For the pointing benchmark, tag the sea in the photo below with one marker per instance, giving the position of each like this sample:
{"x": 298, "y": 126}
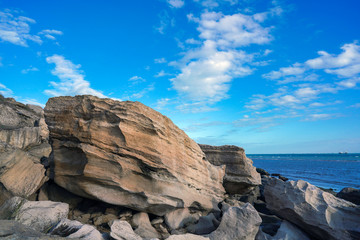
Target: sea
{"x": 335, "y": 171}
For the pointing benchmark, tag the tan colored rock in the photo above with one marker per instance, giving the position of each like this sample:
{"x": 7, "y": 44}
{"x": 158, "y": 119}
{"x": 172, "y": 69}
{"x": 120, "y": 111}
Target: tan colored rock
{"x": 74, "y": 229}
{"x": 125, "y": 153}
{"x": 318, "y": 213}
{"x": 187, "y": 236}
{"x": 143, "y": 227}
{"x": 19, "y": 175}
{"x": 121, "y": 230}
{"x": 180, "y": 217}
{"x": 240, "y": 174}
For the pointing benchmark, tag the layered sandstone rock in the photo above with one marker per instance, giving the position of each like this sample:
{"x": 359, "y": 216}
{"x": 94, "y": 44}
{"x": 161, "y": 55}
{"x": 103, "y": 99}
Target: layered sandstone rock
{"x": 241, "y": 176}
{"x": 318, "y": 213}
{"x": 125, "y": 153}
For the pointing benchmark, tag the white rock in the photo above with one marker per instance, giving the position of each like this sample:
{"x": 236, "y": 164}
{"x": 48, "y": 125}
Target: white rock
{"x": 238, "y": 223}
{"x": 187, "y": 236}
{"x": 121, "y": 230}
{"x": 319, "y": 213}
{"x": 40, "y": 216}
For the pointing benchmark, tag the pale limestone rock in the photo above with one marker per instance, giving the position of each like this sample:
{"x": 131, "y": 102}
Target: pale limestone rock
{"x": 238, "y": 223}
{"x": 180, "y": 217}
{"x": 240, "y": 174}
{"x": 143, "y": 227}
{"x": 121, "y": 230}
{"x": 319, "y": 213}
{"x": 74, "y": 229}
{"x": 40, "y": 216}
{"x": 187, "y": 236}
{"x": 125, "y": 153}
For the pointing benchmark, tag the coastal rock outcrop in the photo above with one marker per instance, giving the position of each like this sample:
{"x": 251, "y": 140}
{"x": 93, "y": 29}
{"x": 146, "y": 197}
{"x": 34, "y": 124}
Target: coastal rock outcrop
{"x": 23, "y": 147}
{"x": 240, "y": 174}
{"x": 318, "y": 213}
{"x": 350, "y": 194}
{"x": 125, "y": 153}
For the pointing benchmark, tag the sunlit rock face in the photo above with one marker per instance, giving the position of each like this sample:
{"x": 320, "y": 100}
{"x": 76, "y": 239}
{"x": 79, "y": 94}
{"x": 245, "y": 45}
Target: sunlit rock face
{"x": 128, "y": 154}
{"x": 241, "y": 176}
{"x": 23, "y": 146}
{"x": 318, "y": 213}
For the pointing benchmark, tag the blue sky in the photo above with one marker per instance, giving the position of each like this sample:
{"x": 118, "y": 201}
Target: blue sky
{"x": 270, "y": 76}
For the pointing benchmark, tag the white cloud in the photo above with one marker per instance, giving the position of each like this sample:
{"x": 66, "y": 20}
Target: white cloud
{"x": 50, "y": 33}
{"x": 206, "y": 71}
{"x": 161, "y": 103}
{"x": 136, "y": 79}
{"x": 192, "y": 41}
{"x": 143, "y": 92}
{"x": 1, "y": 64}
{"x": 6, "y": 92}
{"x": 319, "y": 116}
{"x": 32, "y": 102}
{"x": 294, "y": 70}
{"x": 160, "y": 60}
{"x": 16, "y": 30}
{"x": 162, "y": 73}
{"x": 72, "y": 80}
{"x": 30, "y": 69}
{"x": 165, "y": 21}
{"x": 215, "y": 3}
{"x": 349, "y": 83}
{"x": 176, "y": 3}
{"x": 356, "y": 105}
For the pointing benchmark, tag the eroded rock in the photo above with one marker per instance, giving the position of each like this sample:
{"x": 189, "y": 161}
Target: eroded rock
{"x": 318, "y": 213}
{"x": 121, "y": 230}
{"x": 240, "y": 174}
{"x": 350, "y": 194}
{"x": 125, "y": 153}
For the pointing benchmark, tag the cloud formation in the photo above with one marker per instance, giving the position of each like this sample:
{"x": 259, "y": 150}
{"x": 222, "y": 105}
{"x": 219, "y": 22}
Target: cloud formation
{"x": 6, "y": 92}
{"x": 176, "y": 3}
{"x": 72, "y": 80}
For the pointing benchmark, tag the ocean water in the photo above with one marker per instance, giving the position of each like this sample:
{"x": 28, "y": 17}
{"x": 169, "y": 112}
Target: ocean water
{"x": 334, "y": 171}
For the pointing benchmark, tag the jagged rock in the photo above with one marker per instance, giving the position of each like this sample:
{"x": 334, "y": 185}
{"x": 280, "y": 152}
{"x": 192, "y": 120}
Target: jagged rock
{"x": 318, "y": 213}
{"x": 238, "y": 223}
{"x": 75, "y": 229}
{"x": 350, "y": 194}
{"x": 240, "y": 174}
{"x": 187, "y": 236}
{"x": 125, "y": 153}
{"x": 206, "y": 225}
{"x": 12, "y": 230}
{"x": 287, "y": 231}
{"x": 40, "y": 216}
{"x": 270, "y": 223}
{"x": 121, "y": 230}
{"x": 262, "y": 172}
{"x": 180, "y": 218}
{"x": 23, "y": 143}
{"x": 19, "y": 174}
{"x": 143, "y": 227}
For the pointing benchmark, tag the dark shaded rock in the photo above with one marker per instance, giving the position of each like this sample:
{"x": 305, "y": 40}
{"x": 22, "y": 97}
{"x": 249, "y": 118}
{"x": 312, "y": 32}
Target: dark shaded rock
{"x": 350, "y": 194}
{"x": 206, "y": 225}
{"x": 262, "y": 172}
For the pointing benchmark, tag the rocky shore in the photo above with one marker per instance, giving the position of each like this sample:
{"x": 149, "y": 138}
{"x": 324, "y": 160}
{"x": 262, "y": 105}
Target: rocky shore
{"x": 90, "y": 168}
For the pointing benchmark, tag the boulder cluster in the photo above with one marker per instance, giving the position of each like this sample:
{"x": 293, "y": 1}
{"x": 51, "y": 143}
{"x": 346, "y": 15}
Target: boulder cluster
{"x": 98, "y": 169}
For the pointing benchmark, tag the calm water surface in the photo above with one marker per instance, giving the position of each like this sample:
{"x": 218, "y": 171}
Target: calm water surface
{"x": 324, "y": 170}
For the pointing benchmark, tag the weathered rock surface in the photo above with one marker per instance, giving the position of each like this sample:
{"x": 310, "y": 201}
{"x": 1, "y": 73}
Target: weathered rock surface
{"x": 287, "y": 231}
{"x": 20, "y": 174}
{"x": 350, "y": 194}
{"x": 74, "y": 229}
{"x": 125, "y": 153}
{"x": 121, "y": 230}
{"x": 238, "y": 223}
{"x": 143, "y": 227}
{"x": 40, "y": 216}
{"x": 240, "y": 174}
{"x": 180, "y": 218}
{"x": 318, "y": 213}
{"x": 12, "y": 230}
{"x": 23, "y": 145}
{"x": 187, "y": 236}
{"x": 206, "y": 225}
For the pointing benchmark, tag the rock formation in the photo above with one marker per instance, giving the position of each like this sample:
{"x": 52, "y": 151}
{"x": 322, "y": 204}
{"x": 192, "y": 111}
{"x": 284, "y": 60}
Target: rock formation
{"x": 240, "y": 174}
{"x": 127, "y": 154}
{"x": 350, "y": 194}
{"x": 23, "y": 147}
{"x": 318, "y": 213}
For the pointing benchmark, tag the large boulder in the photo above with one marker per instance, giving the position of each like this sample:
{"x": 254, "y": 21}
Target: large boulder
{"x": 23, "y": 146}
{"x": 316, "y": 212}
{"x": 40, "y": 216}
{"x": 240, "y": 174}
{"x": 20, "y": 173}
{"x": 238, "y": 223}
{"x": 128, "y": 154}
